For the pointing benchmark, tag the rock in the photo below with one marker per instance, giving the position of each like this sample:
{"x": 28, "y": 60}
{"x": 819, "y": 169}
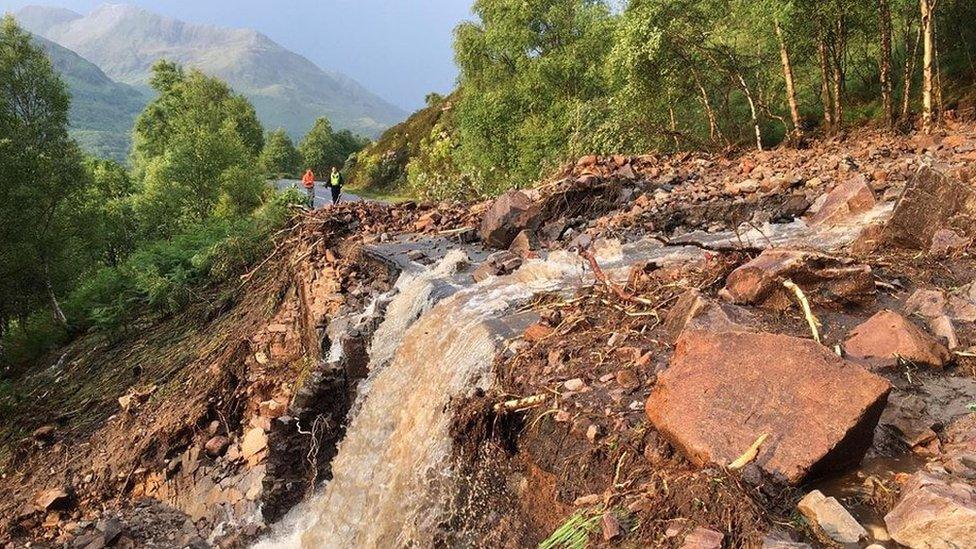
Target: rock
{"x": 703, "y": 538}
{"x": 55, "y": 499}
{"x": 888, "y": 336}
{"x": 111, "y": 529}
{"x": 44, "y": 433}
{"x": 723, "y": 391}
{"x": 932, "y": 200}
{"x": 868, "y": 241}
{"x": 627, "y": 379}
{"x": 826, "y": 280}
{"x": 524, "y": 244}
{"x": 831, "y": 518}
{"x": 906, "y": 416}
{"x": 592, "y": 433}
{"x": 944, "y": 330}
{"x": 742, "y": 187}
{"x": 255, "y": 441}
{"x": 693, "y": 311}
{"x": 574, "y": 385}
{"x": 484, "y": 271}
{"x": 934, "y": 512}
{"x": 537, "y": 332}
{"x": 507, "y": 216}
{"x": 216, "y": 446}
{"x": 611, "y": 527}
{"x": 847, "y": 200}
{"x": 416, "y": 255}
{"x": 926, "y": 303}
{"x": 946, "y": 242}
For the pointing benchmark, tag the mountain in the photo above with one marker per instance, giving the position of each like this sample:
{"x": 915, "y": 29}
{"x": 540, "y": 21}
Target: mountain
{"x": 102, "y": 110}
{"x": 288, "y": 90}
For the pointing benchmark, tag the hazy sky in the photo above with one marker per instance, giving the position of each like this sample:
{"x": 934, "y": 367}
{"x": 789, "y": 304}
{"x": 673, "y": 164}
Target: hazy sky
{"x": 400, "y": 49}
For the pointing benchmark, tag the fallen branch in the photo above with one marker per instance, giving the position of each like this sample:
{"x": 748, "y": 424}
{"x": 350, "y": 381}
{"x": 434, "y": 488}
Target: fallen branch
{"x": 623, "y": 294}
{"x": 805, "y": 304}
{"x": 750, "y": 454}
{"x": 520, "y": 404}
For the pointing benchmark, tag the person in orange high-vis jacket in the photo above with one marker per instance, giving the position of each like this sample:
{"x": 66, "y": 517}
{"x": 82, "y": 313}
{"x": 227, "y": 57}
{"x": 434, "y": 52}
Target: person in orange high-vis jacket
{"x": 308, "y": 181}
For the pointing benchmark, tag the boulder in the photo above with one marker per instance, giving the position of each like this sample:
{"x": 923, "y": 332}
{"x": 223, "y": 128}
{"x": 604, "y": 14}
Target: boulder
{"x": 508, "y": 215}
{"x": 830, "y": 517}
{"x": 826, "y": 280}
{"x": 934, "y": 512}
{"x": 887, "y": 336}
{"x": 946, "y": 242}
{"x": 722, "y": 391}
{"x": 932, "y": 200}
{"x": 694, "y": 311}
{"x": 847, "y": 200}
{"x": 926, "y": 303}
{"x": 55, "y": 499}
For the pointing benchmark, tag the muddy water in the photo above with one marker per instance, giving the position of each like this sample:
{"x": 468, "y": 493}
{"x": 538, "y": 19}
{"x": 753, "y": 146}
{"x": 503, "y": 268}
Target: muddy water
{"x": 392, "y": 478}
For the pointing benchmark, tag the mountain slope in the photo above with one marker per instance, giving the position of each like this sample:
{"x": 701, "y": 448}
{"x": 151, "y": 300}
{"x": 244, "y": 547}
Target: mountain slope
{"x": 102, "y": 110}
{"x": 287, "y": 89}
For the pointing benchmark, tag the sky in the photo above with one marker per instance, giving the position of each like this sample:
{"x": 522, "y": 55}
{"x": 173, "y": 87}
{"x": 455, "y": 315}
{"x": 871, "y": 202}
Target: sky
{"x": 399, "y": 49}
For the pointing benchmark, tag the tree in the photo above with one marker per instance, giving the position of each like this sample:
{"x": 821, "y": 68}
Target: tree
{"x": 40, "y": 175}
{"x": 196, "y": 147}
{"x": 884, "y": 66}
{"x": 928, "y": 70}
{"x": 280, "y": 158}
{"x": 322, "y": 148}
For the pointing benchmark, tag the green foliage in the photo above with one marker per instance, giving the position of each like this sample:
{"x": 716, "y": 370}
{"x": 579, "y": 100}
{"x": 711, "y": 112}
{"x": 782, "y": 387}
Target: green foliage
{"x": 322, "y": 148}
{"x": 196, "y": 149}
{"x": 280, "y": 158}
{"x": 41, "y": 175}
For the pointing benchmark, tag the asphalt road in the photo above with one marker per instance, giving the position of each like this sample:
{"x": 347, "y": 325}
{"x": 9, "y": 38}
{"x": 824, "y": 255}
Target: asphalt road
{"x": 322, "y": 195}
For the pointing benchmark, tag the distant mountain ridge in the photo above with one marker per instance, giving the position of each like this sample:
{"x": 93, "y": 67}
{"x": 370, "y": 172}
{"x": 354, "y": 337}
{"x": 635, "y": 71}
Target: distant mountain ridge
{"x": 288, "y": 90}
{"x": 102, "y": 110}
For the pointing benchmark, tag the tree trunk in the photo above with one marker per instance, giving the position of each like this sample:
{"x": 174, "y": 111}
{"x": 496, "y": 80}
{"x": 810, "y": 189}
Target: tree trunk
{"x": 713, "y": 129}
{"x": 840, "y": 49}
{"x": 784, "y": 55}
{"x": 674, "y": 125}
{"x": 928, "y": 58}
{"x": 910, "y": 61}
{"x": 884, "y": 13}
{"x": 59, "y": 315}
{"x": 752, "y": 108}
{"x": 824, "y": 78}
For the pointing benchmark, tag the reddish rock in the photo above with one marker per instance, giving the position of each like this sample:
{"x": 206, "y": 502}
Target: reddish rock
{"x": 508, "y": 215}
{"x": 933, "y": 200}
{"x": 886, "y": 336}
{"x": 946, "y": 242}
{"x": 255, "y": 442}
{"x": 693, "y": 311}
{"x": 831, "y": 518}
{"x": 703, "y": 538}
{"x": 524, "y": 244}
{"x": 723, "y": 391}
{"x": 934, "y": 512}
{"x": 926, "y": 303}
{"x": 216, "y": 446}
{"x": 826, "y": 280}
{"x": 537, "y": 332}
{"x": 611, "y": 527}
{"x": 55, "y": 499}
{"x": 868, "y": 241}
{"x": 847, "y": 200}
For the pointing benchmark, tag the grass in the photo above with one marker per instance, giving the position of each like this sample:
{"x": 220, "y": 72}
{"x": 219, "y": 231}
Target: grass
{"x": 575, "y": 532}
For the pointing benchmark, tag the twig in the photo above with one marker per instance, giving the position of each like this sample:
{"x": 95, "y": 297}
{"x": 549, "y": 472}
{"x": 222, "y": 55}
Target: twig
{"x": 602, "y": 278}
{"x": 811, "y": 320}
{"x": 750, "y": 454}
{"x": 520, "y": 404}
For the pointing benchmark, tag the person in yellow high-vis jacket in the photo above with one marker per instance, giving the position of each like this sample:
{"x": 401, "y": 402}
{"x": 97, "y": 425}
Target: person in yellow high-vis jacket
{"x": 335, "y": 185}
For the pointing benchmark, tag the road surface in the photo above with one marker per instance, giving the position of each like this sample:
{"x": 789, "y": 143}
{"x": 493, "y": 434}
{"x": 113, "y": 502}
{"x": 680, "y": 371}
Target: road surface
{"x": 322, "y": 195}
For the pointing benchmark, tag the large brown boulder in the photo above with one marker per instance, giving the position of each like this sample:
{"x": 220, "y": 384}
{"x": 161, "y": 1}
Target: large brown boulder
{"x": 888, "y": 336}
{"x": 932, "y": 201}
{"x": 934, "y": 511}
{"x": 722, "y": 391}
{"x": 826, "y": 280}
{"x": 848, "y": 199}
{"x": 510, "y": 214}
{"x": 694, "y": 311}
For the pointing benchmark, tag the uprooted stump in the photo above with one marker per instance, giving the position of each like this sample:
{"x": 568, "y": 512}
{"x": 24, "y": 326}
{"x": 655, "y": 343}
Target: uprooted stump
{"x": 722, "y": 391}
